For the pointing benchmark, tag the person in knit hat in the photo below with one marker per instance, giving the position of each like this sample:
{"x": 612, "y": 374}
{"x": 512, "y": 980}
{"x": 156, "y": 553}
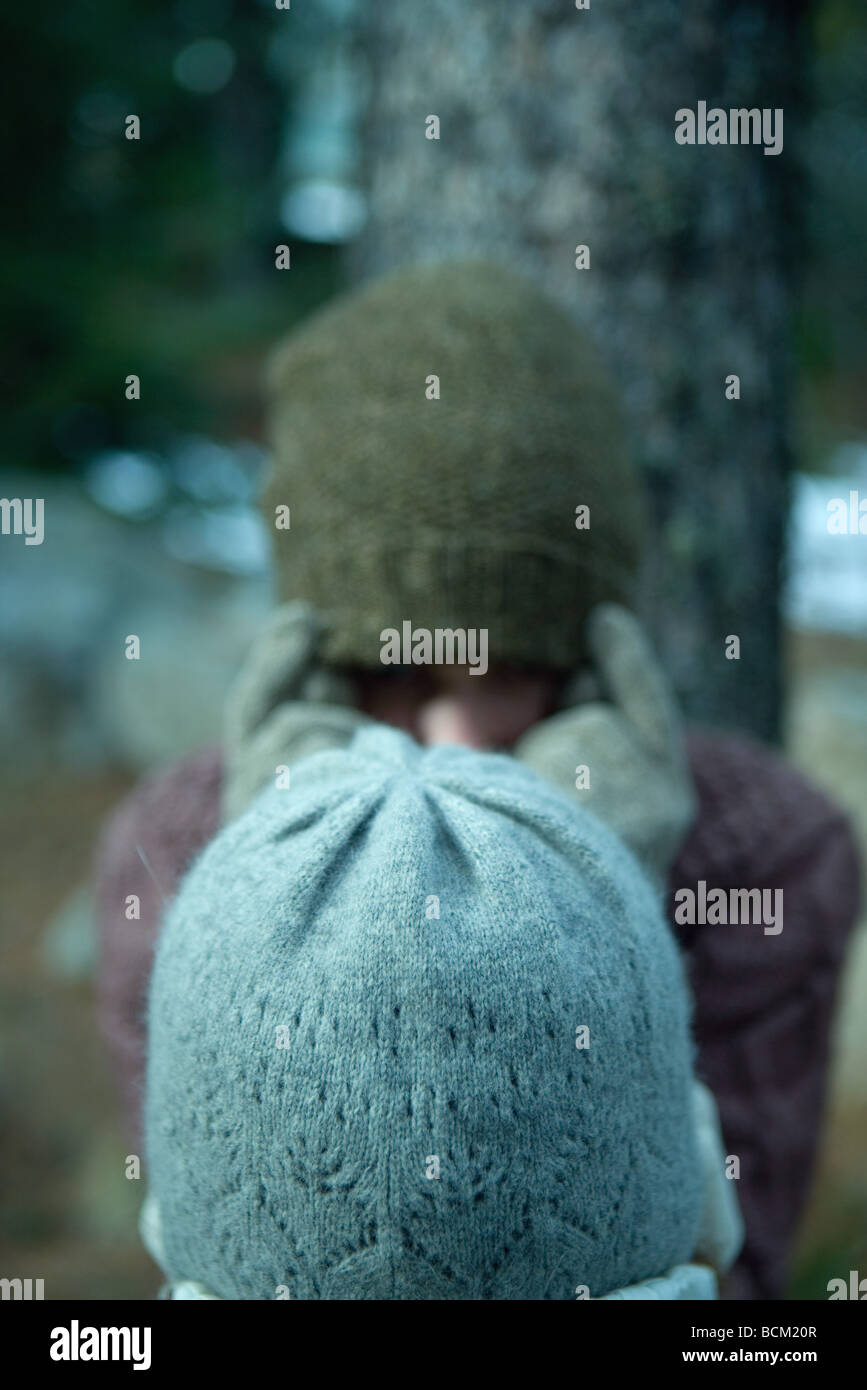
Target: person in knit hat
{"x": 418, "y": 1030}
{"x": 450, "y": 453}
{"x": 435, "y": 437}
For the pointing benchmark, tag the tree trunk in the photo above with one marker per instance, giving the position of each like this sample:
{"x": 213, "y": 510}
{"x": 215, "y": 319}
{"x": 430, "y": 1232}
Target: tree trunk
{"x": 557, "y": 129}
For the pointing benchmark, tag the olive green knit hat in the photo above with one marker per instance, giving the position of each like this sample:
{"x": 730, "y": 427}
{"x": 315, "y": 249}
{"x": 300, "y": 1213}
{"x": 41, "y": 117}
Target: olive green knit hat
{"x": 449, "y": 503}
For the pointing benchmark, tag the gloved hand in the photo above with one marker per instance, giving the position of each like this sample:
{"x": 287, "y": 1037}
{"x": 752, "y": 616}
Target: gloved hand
{"x": 722, "y": 1229}
{"x": 630, "y": 741}
{"x": 282, "y": 707}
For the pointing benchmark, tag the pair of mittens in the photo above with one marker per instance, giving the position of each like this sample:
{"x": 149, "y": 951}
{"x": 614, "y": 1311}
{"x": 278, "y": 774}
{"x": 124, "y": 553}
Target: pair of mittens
{"x": 618, "y": 749}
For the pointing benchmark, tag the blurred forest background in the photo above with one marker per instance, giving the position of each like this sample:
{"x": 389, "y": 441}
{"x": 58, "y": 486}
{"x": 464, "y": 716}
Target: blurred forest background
{"x": 156, "y": 257}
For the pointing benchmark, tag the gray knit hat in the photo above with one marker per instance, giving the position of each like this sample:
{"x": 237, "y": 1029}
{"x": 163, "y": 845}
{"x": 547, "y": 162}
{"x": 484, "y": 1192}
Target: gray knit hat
{"x": 418, "y": 1030}
{"x": 456, "y": 512}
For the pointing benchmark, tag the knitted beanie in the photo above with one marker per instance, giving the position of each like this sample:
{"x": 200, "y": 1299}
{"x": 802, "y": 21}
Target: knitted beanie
{"x": 418, "y": 1030}
{"x": 452, "y": 505}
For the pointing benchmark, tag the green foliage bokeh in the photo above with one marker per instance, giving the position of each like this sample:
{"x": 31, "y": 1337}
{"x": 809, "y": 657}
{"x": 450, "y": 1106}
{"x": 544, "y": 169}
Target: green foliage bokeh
{"x": 153, "y": 257}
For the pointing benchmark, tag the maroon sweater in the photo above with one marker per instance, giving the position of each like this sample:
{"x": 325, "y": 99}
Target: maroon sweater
{"x": 763, "y": 1003}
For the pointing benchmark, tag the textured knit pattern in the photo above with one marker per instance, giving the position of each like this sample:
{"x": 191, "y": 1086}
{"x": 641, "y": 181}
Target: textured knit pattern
{"x": 457, "y": 512}
{"x": 762, "y": 1017}
{"x": 764, "y": 1004}
{"x": 409, "y": 1036}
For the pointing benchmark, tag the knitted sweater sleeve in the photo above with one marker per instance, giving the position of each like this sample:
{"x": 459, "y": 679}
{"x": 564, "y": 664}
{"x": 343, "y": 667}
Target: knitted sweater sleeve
{"x": 146, "y": 846}
{"x": 763, "y": 1002}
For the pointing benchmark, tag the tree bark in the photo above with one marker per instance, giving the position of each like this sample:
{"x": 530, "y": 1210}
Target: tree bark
{"x": 557, "y": 129}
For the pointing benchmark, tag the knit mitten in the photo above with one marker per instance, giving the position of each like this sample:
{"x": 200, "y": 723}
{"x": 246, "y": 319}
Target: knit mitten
{"x": 722, "y": 1228}
{"x": 622, "y": 757}
{"x": 283, "y": 706}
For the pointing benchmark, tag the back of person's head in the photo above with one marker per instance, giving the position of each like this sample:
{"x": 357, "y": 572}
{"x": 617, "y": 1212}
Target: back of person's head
{"x": 418, "y": 1030}
{"x": 434, "y": 434}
